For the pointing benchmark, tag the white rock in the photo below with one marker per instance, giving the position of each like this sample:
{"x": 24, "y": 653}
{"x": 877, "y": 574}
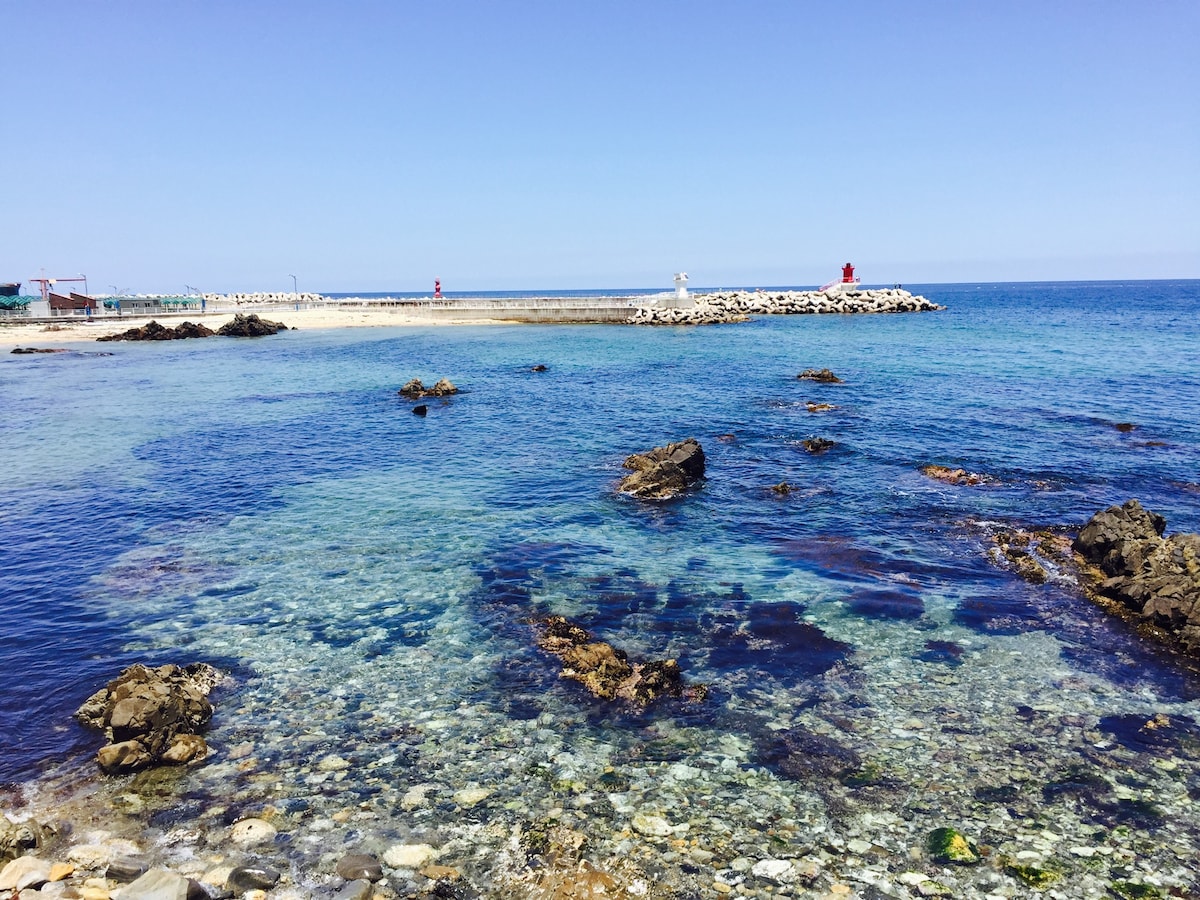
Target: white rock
{"x": 409, "y": 856}
{"x": 652, "y": 826}
{"x": 157, "y": 884}
{"x": 780, "y": 870}
{"x": 89, "y": 856}
{"x": 23, "y": 872}
{"x": 252, "y": 831}
{"x": 470, "y": 796}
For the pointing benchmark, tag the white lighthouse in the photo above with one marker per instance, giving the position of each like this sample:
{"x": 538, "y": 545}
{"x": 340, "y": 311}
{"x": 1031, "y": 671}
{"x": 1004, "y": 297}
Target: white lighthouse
{"x": 681, "y": 285}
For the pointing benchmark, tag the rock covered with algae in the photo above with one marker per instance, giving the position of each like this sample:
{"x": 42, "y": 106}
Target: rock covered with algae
{"x": 946, "y": 845}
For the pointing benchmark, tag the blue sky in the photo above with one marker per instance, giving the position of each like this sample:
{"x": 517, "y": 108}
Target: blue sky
{"x": 378, "y": 145}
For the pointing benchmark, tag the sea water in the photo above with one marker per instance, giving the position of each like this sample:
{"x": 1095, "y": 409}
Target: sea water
{"x": 371, "y": 582}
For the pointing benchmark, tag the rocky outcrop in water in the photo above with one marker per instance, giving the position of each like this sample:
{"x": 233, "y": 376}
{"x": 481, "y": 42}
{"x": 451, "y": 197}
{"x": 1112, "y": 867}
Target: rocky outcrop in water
{"x": 250, "y": 326}
{"x": 415, "y": 390}
{"x": 607, "y": 672}
{"x": 153, "y": 331}
{"x": 152, "y": 715}
{"x": 664, "y": 472}
{"x": 954, "y": 476}
{"x": 38, "y": 350}
{"x": 1154, "y": 576}
{"x": 737, "y": 306}
{"x": 825, "y": 376}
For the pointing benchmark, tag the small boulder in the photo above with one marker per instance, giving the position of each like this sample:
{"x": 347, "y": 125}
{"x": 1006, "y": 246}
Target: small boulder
{"x": 664, "y": 472}
{"x": 824, "y": 376}
{"x": 359, "y": 866}
{"x": 152, "y": 715}
{"x": 420, "y": 410}
{"x": 157, "y": 884}
{"x": 250, "y": 326}
{"x": 947, "y": 846}
{"x": 817, "y": 446}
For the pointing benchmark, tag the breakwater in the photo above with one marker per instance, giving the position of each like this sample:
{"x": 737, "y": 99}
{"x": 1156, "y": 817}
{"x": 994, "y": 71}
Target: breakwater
{"x": 735, "y": 306}
{"x": 261, "y": 298}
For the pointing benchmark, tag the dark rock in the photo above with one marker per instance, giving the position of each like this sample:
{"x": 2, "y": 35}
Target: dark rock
{"x": 356, "y": 866}
{"x": 783, "y": 488}
{"x": 817, "y": 445}
{"x": 420, "y": 410}
{"x": 153, "y": 331}
{"x": 250, "y": 326}
{"x": 198, "y": 891}
{"x": 823, "y": 375}
{"x": 771, "y": 638}
{"x": 126, "y": 868}
{"x": 664, "y": 472}
{"x": 38, "y": 350}
{"x": 415, "y": 390}
{"x": 152, "y": 715}
{"x": 802, "y": 754}
{"x": 1128, "y": 560}
{"x": 538, "y": 368}
{"x": 253, "y": 877}
{"x": 1124, "y": 427}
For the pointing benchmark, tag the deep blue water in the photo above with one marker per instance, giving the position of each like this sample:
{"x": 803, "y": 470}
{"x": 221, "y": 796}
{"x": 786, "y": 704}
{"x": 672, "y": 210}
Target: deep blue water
{"x": 245, "y": 501}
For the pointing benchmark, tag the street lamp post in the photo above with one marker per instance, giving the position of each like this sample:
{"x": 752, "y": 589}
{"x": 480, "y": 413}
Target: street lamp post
{"x": 294, "y": 291}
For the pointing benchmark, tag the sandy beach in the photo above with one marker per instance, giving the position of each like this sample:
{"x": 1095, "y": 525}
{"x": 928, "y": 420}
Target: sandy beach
{"x": 74, "y": 330}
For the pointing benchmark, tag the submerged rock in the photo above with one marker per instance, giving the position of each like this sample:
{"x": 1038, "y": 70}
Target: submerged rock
{"x": 1128, "y": 560}
{"x": 250, "y": 326}
{"x": 606, "y": 670}
{"x": 954, "y": 476}
{"x": 817, "y": 446}
{"x": 801, "y": 754}
{"x": 945, "y": 845}
{"x": 152, "y": 715}
{"x": 664, "y": 472}
{"x": 39, "y": 349}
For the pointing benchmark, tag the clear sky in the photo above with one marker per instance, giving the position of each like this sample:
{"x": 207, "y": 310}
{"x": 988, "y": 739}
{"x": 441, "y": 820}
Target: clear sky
{"x": 378, "y": 145}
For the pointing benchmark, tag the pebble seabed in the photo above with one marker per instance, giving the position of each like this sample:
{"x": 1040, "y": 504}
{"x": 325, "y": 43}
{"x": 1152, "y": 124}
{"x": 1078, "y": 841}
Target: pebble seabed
{"x": 462, "y": 799}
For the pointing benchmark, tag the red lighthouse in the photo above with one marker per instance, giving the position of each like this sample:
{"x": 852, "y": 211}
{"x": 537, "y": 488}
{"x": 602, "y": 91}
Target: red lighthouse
{"x": 437, "y": 287}
{"x": 847, "y": 274}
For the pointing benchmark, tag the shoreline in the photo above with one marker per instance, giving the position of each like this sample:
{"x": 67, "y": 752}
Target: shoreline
{"x": 78, "y": 330}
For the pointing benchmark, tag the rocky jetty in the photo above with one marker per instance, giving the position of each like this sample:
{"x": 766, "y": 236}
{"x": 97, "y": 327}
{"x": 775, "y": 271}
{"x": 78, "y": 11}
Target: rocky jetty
{"x": 664, "y": 472}
{"x": 153, "y": 331}
{"x": 1129, "y": 561}
{"x": 152, "y": 715}
{"x": 250, "y": 326}
{"x": 607, "y": 672}
{"x": 415, "y": 390}
{"x": 38, "y": 350}
{"x": 736, "y": 306}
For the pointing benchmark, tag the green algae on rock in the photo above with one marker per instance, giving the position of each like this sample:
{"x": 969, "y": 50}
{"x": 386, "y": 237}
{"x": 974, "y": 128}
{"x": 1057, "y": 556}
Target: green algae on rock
{"x": 945, "y": 845}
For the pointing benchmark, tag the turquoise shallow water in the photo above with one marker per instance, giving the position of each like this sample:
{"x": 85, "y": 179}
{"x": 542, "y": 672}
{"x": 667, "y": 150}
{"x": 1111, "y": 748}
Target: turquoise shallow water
{"x": 368, "y": 578}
